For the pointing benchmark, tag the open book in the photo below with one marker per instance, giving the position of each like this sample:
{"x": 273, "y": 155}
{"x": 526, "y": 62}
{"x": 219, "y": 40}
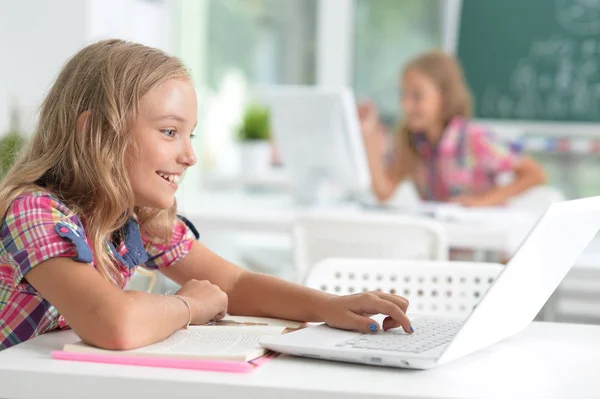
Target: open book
{"x": 234, "y": 338}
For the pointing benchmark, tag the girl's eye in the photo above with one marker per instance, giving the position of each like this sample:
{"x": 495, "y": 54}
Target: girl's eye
{"x": 169, "y": 132}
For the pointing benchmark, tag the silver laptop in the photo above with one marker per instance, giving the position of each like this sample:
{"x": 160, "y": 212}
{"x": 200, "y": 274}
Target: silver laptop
{"x": 510, "y": 304}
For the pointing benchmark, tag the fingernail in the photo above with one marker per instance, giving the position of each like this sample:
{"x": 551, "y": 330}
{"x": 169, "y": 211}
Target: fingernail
{"x": 373, "y": 327}
{"x": 412, "y": 329}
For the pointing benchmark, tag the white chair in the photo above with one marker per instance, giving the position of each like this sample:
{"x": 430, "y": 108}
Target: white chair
{"x": 317, "y": 236}
{"x": 432, "y": 287}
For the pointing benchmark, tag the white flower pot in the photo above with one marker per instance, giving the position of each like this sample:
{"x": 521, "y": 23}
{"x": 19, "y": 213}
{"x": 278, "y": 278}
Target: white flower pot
{"x": 255, "y": 160}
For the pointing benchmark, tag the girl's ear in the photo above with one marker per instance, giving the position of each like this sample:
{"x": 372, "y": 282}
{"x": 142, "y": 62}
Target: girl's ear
{"x": 82, "y": 121}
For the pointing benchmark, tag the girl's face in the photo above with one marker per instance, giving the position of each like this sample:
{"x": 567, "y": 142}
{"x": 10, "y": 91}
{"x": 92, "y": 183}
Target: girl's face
{"x": 163, "y": 132}
{"x": 421, "y": 102}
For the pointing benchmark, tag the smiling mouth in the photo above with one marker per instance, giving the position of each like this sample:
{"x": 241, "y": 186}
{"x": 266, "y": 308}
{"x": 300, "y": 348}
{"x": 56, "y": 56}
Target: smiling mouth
{"x": 173, "y": 179}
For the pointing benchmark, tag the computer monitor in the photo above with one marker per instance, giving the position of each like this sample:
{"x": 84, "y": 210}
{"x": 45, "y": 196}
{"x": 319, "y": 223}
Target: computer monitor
{"x": 318, "y": 135}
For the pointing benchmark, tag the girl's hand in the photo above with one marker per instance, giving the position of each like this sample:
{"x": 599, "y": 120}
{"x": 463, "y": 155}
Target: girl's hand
{"x": 372, "y": 130}
{"x": 473, "y": 200}
{"x": 208, "y": 301}
{"x": 369, "y": 120}
{"x": 353, "y": 312}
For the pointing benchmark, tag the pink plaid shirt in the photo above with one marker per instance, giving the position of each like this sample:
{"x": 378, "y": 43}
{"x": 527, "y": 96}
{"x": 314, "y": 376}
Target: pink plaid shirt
{"x": 38, "y": 227}
{"x": 467, "y": 160}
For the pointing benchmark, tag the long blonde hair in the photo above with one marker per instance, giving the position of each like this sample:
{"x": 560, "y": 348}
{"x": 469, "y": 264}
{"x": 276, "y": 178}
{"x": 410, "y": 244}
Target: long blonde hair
{"x": 86, "y": 168}
{"x": 446, "y": 73}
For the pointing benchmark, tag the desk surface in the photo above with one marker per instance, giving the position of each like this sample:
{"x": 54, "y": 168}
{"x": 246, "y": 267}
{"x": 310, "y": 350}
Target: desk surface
{"x": 545, "y": 361}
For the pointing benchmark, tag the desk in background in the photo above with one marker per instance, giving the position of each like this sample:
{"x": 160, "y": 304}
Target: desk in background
{"x": 238, "y": 210}
{"x": 546, "y": 360}
{"x": 577, "y": 299}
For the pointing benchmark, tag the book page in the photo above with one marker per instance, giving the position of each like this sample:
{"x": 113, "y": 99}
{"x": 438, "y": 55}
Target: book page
{"x": 199, "y": 342}
{"x": 210, "y": 343}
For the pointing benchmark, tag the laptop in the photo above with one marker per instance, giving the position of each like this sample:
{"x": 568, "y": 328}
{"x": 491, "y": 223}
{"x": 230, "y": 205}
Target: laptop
{"x": 541, "y": 262}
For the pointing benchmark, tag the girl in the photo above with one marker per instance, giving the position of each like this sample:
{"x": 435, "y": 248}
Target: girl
{"x": 448, "y": 157}
{"x": 93, "y": 197}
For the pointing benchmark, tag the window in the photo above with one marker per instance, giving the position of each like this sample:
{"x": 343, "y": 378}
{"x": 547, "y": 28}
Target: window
{"x": 232, "y": 45}
{"x": 268, "y": 41}
{"x": 388, "y": 33}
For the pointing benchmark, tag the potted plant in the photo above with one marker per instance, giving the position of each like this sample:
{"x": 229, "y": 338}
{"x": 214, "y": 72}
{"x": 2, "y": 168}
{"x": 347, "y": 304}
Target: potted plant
{"x": 254, "y": 134}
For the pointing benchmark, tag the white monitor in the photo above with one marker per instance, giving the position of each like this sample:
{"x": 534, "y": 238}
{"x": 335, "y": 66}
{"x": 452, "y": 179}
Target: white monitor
{"x": 318, "y": 134}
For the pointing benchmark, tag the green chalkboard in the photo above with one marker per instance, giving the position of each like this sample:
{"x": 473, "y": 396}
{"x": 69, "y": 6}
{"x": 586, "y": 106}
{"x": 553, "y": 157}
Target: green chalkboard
{"x": 533, "y": 60}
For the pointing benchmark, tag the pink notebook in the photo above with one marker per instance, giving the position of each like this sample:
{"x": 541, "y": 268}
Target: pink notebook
{"x": 187, "y": 364}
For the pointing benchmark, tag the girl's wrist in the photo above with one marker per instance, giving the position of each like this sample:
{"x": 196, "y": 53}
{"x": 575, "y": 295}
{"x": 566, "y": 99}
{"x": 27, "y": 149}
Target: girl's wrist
{"x": 322, "y": 305}
{"x": 186, "y": 302}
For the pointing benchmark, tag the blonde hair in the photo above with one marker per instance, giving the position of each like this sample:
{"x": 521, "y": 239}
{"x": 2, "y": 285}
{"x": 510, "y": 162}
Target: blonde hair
{"x": 447, "y": 75}
{"x": 86, "y": 166}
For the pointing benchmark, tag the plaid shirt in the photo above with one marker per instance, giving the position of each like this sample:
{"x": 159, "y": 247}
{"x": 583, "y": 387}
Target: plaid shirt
{"x": 467, "y": 160}
{"x": 38, "y": 227}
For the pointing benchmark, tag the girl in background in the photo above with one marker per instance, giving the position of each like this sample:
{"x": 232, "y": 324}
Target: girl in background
{"x": 449, "y": 158}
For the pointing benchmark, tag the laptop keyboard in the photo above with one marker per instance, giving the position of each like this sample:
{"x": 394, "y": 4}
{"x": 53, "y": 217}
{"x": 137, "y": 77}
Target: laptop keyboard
{"x": 430, "y": 332}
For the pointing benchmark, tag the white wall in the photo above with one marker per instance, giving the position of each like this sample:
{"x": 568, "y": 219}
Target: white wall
{"x": 36, "y": 38}
{"x": 335, "y": 42}
{"x": 145, "y": 21}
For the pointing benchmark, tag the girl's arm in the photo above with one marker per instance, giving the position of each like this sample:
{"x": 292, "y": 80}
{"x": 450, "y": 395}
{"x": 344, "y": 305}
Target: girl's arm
{"x": 104, "y": 316}
{"x": 494, "y": 156}
{"x": 384, "y": 180}
{"x": 527, "y": 174}
{"x": 253, "y": 294}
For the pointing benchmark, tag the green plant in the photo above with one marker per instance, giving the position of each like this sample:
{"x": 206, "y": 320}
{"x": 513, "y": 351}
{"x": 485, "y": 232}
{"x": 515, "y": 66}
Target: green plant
{"x": 10, "y": 145}
{"x": 255, "y": 123}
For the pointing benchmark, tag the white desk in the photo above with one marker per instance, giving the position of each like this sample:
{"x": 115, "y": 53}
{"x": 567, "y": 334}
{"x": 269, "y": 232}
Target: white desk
{"x": 239, "y": 210}
{"x": 545, "y": 361}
